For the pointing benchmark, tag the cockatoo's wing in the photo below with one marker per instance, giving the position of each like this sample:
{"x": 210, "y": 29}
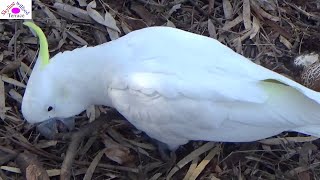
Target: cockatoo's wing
{"x": 210, "y": 94}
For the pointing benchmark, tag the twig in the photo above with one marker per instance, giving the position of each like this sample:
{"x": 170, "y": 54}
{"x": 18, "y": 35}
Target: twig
{"x": 76, "y": 138}
{"x": 28, "y": 164}
{"x": 31, "y": 167}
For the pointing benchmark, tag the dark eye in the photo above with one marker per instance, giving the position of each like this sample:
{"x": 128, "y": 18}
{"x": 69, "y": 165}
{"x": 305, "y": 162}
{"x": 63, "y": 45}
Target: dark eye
{"x": 50, "y": 108}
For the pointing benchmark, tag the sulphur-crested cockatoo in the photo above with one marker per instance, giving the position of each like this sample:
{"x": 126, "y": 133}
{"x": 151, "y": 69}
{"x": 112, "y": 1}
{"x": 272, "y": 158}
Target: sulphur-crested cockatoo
{"x": 174, "y": 85}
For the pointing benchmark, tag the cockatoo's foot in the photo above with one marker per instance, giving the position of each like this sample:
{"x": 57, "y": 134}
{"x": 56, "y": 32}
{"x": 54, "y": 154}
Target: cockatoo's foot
{"x": 49, "y": 128}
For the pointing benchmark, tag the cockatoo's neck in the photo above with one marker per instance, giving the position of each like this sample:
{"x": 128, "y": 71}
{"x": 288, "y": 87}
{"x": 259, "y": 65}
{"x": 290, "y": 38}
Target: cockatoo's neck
{"x": 88, "y": 69}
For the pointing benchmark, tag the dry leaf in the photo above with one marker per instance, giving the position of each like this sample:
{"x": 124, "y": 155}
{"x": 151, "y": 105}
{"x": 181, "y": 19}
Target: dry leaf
{"x": 51, "y": 16}
{"x": 227, "y": 9}
{"x": 228, "y": 25}
{"x": 246, "y": 14}
{"x": 77, "y": 39}
{"x": 286, "y": 140}
{"x": 204, "y": 163}
{"x": 284, "y": 41}
{"x": 212, "y": 29}
{"x": 156, "y": 176}
{"x": 107, "y": 21}
{"x": 261, "y": 12}
{"x": 93, "y": 165}
{"x": 91, "y": 113}
{"x": 112, "y": 28}
{"x": 80, "y": 13}
{"x": 12, "y": 81}
{"x": 95, "y": 15}
{"x": 192, "y": 167}
{"x": 46, "y": 144}
{"x": 15, "y": 95}
{"x": 82, "y": 3}
{"x": 173, "y": 9}
{"x": 10, "y": 67}
{"x": 2, "y": 101}
{"x": 125, "y": 27}
{"x": 119, "y": 154}
{"x": 255, "y": 27}
{"x": 268, "y": 5}
{"x": 193, "y": 155}
{"x": 115, "y": 151}
{"x": 170, "y": 24}
{"x": 99, "y": 36}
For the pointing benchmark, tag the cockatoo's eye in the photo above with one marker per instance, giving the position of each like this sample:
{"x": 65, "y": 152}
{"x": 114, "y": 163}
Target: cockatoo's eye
{"x": 50, "y": 108}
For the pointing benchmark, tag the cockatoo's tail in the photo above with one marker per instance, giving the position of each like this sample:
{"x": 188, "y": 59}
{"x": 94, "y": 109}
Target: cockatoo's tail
{"x": 44, "y": 50}
{"x": 175, "y": 86}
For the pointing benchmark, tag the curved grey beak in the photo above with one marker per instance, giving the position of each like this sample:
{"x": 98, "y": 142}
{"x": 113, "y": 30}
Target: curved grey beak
{"x": 53, "y": 126}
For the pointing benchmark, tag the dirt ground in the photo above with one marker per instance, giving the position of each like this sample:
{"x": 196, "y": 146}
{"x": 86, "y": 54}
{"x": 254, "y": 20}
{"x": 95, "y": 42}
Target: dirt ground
{"x": 271, "y": 33}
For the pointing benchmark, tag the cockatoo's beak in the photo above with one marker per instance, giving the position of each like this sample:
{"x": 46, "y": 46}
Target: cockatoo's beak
{"x": 53, "y": 126}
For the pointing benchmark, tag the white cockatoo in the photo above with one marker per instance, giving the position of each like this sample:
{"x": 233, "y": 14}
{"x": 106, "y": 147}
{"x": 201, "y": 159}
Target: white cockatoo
{"x": 174, "y": 85}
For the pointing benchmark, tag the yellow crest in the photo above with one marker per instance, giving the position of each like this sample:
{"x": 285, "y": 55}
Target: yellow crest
{"x": 44, "y": 50}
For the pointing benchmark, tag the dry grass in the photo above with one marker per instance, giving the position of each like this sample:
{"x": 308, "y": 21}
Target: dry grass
{"x": 271, "y": 33}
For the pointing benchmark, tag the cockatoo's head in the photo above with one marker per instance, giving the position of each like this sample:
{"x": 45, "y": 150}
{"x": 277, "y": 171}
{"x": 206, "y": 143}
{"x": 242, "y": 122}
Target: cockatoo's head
{"x": 50, "y": 92}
